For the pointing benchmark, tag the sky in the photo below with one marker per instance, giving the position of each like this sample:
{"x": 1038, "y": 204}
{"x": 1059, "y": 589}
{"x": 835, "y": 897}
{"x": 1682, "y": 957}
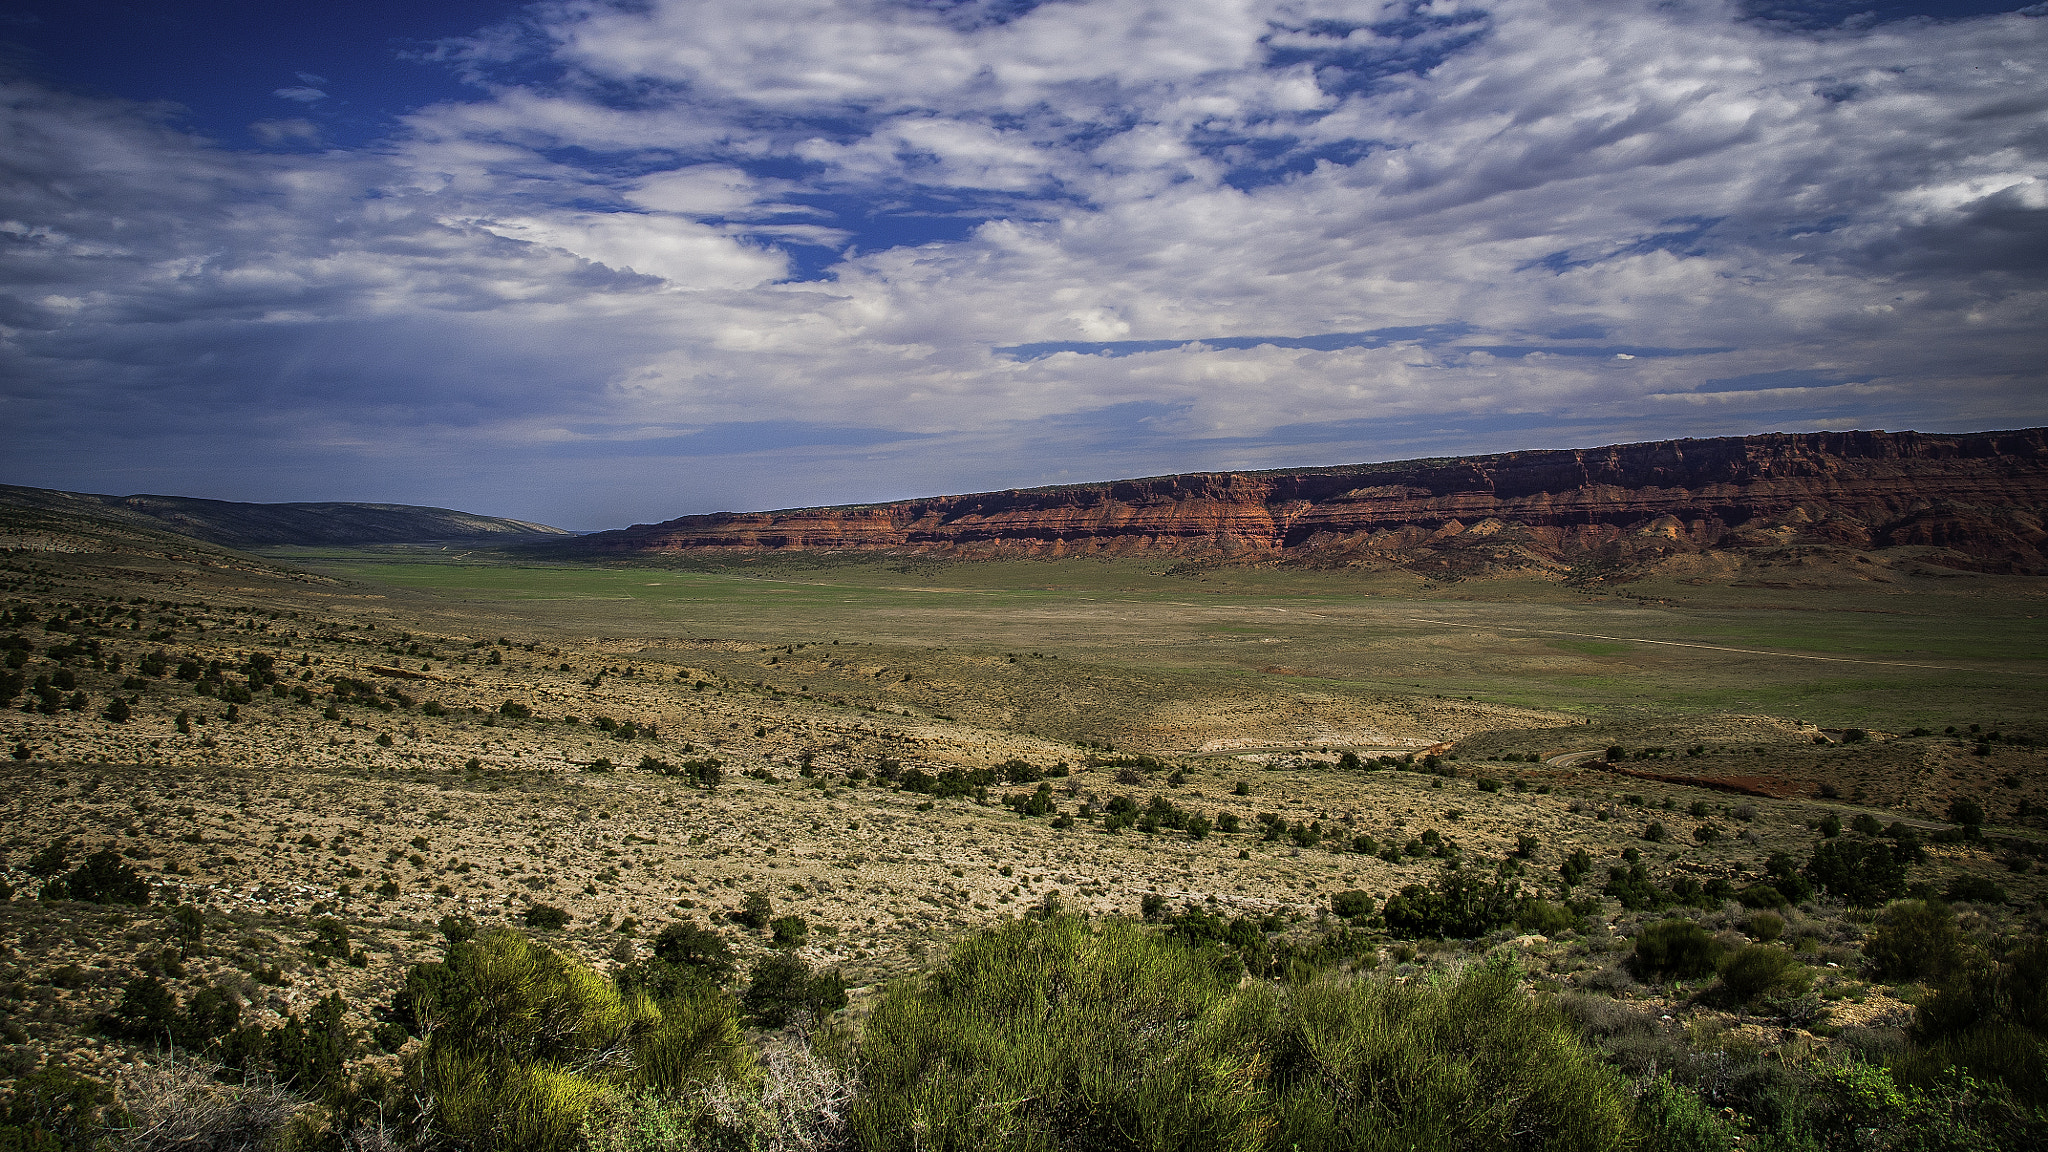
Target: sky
{"x": 596, "y": 262}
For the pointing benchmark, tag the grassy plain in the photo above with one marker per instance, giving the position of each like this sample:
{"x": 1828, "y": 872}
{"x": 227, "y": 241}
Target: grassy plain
{"x": 1882, "y": 656}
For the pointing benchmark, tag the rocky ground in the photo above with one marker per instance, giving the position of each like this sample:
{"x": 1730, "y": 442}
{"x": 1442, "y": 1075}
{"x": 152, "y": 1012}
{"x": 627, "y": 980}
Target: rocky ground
{"x": 274, "y": 749}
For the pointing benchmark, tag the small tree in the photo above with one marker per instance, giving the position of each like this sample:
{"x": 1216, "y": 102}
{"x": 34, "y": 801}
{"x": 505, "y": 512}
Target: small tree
{"x": 1863, "y": 873}
{"x": 783, "y": 990}
{"x": 789, "y": 931}
{"x": 755, "y": 911}
{"x": 103, "y": 879}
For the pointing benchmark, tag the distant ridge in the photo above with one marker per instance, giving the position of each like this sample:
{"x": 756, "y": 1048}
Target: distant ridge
{"x": 235, "y": 524}
{"x": 1973, "y": 501}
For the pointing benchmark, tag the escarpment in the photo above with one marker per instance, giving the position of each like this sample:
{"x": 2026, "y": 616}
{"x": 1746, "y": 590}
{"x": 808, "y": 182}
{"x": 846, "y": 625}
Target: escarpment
{"x": 1974, "y": 501}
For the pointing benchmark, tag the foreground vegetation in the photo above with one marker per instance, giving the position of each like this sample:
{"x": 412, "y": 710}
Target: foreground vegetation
{"x": 1060, "y": 1032}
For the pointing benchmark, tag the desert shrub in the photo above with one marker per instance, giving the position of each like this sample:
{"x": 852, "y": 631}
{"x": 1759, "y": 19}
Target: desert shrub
{"x": 783, "y": 990}
{"x": 800, "y": 1106}
{"x": 184, "y": 1104}
{"x": 693, "y": 950}
{"x": 524, "y": 1041}
{"x": 1967, "y": 814}
{"x": 1152, "y": 906}
{"x": 1674, "y": 948}
{"x": 1600, "y": 1016}
{"x": 1990, "y": 1018}
{"x": 546, "y": 918}
{"x": 1976, "y": 889}
{"x": 1862, "y": 873}
{"x": 755, "y": 911}
{"x": 1058, "y": 1034}
{"x": 1655, "y": 833}
{"x": 1766, "y": 926}
{"x": 981, "y": 1053}
{"x": 1757, "y": 971}
{"x": 1761, "y": 896}
{"x": 1634, "y": 888}
{"x": 1462, "y": 902}
{"x": 188, "y": 924}
{"x": 1575, "y": 867}
{"x": 310, "y": 1054}
{"x": 1466, "y": 1061}
{"x": 330, "y": 939}
{"x": 789, "y": 931}
{"x": 1544, "y": 917}
{"x": 1851, "y": 1103}
{"x": 103, "y": 878}
{"x": 1672, "y": 1119}
{"x": 1351, "y": 905}
{"x": 1915, "y": 940}
{"x": 58, "y": 1110}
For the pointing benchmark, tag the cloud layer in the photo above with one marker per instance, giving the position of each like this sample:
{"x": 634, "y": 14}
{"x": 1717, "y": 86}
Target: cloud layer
{"x": 681, "y": 255}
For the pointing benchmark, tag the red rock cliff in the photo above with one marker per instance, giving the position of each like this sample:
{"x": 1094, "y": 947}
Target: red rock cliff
{"x": 1981, "y": 496}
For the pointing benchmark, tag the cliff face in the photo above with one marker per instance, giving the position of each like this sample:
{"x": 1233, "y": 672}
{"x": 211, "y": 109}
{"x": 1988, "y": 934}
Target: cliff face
{"x": 1979, "y": 498}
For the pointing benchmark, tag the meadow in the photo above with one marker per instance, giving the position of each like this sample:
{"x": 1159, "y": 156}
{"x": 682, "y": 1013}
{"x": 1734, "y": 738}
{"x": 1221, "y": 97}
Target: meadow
{"x": 1834, "y": 656}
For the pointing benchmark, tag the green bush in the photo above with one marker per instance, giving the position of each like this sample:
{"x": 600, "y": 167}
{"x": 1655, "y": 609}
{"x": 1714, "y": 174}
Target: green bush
{"x": 789, "y": 931}
{"x": 1045, "y": 1033}
{"x": 104, "y": 878}
{"x": 1465, "y": 1061}
{"x": 1675, "y": 948}
{"x": 58, "y": 1110}
{"x": 1544, "y": 917}
{"x": 700, "y": 951}
{"x": 1351, "y": 905}
{"x": 755, "y": 911}
{"x": 1915, "y": 940}
{"x": 1759, "y": 971}
{"x": 1766, "y": 926}
{"x": 1463, "y": 902}
{"x": 1674, "y": 1120}
{"x": 1761, "y": 896}
{"x": 783, "y": 990}
{"x": 524, "y": 1041}
{"x": 1862, "y": 873}
{"x": 1975, "y": 889}
{"x": 546, "y": 918}
{"x": 1058, "y": 1034}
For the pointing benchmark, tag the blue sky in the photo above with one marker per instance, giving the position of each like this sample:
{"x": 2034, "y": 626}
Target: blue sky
{"x": 592, "y": 263}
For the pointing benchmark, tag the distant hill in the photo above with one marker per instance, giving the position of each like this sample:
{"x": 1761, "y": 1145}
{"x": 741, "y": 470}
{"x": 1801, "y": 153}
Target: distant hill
{"x": 240, "y": 525}
{"x": 1968, "y": 502}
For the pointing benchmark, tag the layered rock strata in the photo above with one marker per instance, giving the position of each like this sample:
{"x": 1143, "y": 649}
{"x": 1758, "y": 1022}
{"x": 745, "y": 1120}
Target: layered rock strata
{"x": 1981, "y": 499}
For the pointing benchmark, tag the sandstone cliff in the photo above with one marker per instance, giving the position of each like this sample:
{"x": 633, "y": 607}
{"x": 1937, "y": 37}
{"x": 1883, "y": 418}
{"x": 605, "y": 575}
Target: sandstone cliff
{"x": 1974, "y": 501}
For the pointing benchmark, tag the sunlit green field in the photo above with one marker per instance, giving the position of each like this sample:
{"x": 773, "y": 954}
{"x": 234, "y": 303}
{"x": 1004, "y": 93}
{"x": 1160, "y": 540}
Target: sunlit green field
{"x": 1881, "y": 659}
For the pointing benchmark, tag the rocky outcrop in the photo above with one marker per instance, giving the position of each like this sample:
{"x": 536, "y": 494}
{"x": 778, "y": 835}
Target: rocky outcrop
{"x": 1977, "y": 500}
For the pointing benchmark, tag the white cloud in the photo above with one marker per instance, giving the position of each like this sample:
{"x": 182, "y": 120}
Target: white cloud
{"x": 296, "y": 130}
{"x": 594, "y": 259}
{"x": 302, "y": 94}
